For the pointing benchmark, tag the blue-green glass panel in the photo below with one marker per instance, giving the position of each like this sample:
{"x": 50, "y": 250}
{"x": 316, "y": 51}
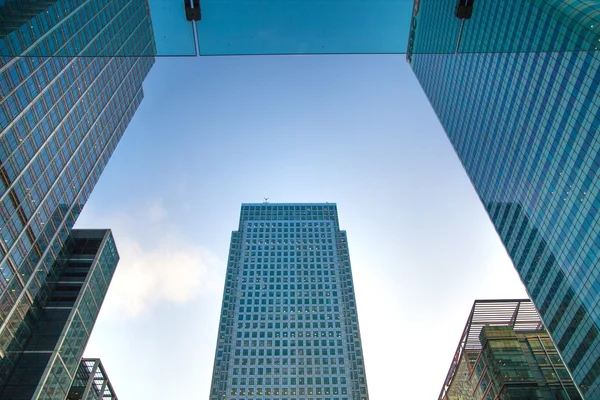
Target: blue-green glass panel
{"x": 95, "y": 28}
{"x": 173, "y": 34}
{"x": 246, "y": 27}
{"x": 553, "y": 25}
{"x": 237, "y": 27}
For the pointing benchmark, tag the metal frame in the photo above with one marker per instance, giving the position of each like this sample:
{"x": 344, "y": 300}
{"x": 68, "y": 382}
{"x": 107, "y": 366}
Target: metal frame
{"x": 518, "y": 313}
{"x": 97, "y": 379}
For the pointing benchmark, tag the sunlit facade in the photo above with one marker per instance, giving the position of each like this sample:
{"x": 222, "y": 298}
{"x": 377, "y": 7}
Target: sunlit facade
{"x": 289, "y": 326}
{"x": 526, "y": 127}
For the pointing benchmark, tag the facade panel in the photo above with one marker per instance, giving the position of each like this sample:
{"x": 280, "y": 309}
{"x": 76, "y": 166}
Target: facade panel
{"x": 289, "y": 326}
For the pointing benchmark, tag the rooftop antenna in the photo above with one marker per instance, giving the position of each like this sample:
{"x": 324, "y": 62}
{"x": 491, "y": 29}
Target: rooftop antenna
{"x": 266, "y": 200}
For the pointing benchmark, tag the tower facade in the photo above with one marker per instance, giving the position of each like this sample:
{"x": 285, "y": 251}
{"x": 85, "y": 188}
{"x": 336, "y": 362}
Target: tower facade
{"x": 289, "y": 325}
{"x": 520, "y": 103}
{"x": 61, "y": 319}
{"x": 61, "y": 117}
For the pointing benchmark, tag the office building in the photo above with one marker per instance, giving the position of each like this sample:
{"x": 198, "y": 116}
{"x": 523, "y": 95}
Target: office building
{"x": 91, "y": 382}
{"x": 60, "y": 120}
{"x": 505, "y": 353}
{"x": 526, "y": 127}
{"x": 289, "y": 325}
{"x": 61, "y": 320}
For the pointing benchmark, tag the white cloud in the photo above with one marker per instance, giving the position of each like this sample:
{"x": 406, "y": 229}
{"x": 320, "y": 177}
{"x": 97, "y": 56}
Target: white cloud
{"x": 156, "y": 212}
{"x": 157, "y": 263}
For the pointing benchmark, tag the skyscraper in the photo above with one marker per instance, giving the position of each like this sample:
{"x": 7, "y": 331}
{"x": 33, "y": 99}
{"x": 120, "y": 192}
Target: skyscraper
{"x": 61, "y": 319}
{"x": 289, "y": 325}
{"x": 505, "y": 353}
{"x": 60, "y": 120}
{"x": 526, "y": 127}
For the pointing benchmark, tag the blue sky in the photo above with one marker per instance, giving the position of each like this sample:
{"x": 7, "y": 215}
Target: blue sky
{"x": 212, "y": 133}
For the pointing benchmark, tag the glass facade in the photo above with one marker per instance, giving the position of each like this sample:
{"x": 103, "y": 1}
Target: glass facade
{"x": 245, "y": 27}
{"x": 60, "y": 120}
{"x": 526, "y": 128}
{"x": 91, "y": 382}
{"x": 289, "y": 326}
{"x": 68, "y": 28}
{"x": 62, "y": 320}
{"x": 506, "y": 354}
{"x": 527, "y": 26}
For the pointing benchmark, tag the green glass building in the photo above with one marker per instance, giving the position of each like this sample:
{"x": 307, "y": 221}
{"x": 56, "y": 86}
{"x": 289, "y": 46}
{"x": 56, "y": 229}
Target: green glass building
{"x": 289, "y": 326}
{"x": 505, "y": 353}
{"x": 524, "y": 119}
{"x": 62, "y": 318}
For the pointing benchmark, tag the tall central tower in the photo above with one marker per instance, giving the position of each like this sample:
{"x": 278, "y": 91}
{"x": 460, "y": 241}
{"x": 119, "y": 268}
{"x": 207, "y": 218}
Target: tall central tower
{"x": 289, "y": 325}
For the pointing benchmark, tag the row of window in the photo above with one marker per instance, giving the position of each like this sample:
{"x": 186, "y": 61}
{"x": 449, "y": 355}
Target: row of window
{"x": 290, "y": 361}
{"x": 302, "y": 398}
{"x": 291, "y": 309}
{"x": 291, "y": 343}
{"x": 285, "y": 273}
{"x": 310, "y": 227}
{"x": 269, "y": 224}
{"x": 276, "y": 288}
{"x": 290, "y": 371}
{"x": 277, "y": 293}
{"x": 292, "y": 391}
{"x": 300, "y": 351}
{"x": 278, "y": 325}
{"x": 285, "y": 317}
{"x": 290, "y": 280}
{"x": 284, "y": 241}
{"x": 308, "y": 300}
{"x": 286, "y": 269}
{"x": 288, "y": 333}
{"x": 276, "y": 252}
{"x": 291, "y": 213}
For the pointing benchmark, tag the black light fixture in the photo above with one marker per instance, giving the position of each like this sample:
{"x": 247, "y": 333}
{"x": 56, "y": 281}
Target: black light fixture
{"x": 464, "y": 9}
{"x": 192, "y": 10}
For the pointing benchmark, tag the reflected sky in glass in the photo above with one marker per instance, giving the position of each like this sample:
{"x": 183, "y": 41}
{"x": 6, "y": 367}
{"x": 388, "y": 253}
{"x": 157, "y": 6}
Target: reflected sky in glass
{"x": 273, "y": 27}
{"x": 304, "y": 27}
